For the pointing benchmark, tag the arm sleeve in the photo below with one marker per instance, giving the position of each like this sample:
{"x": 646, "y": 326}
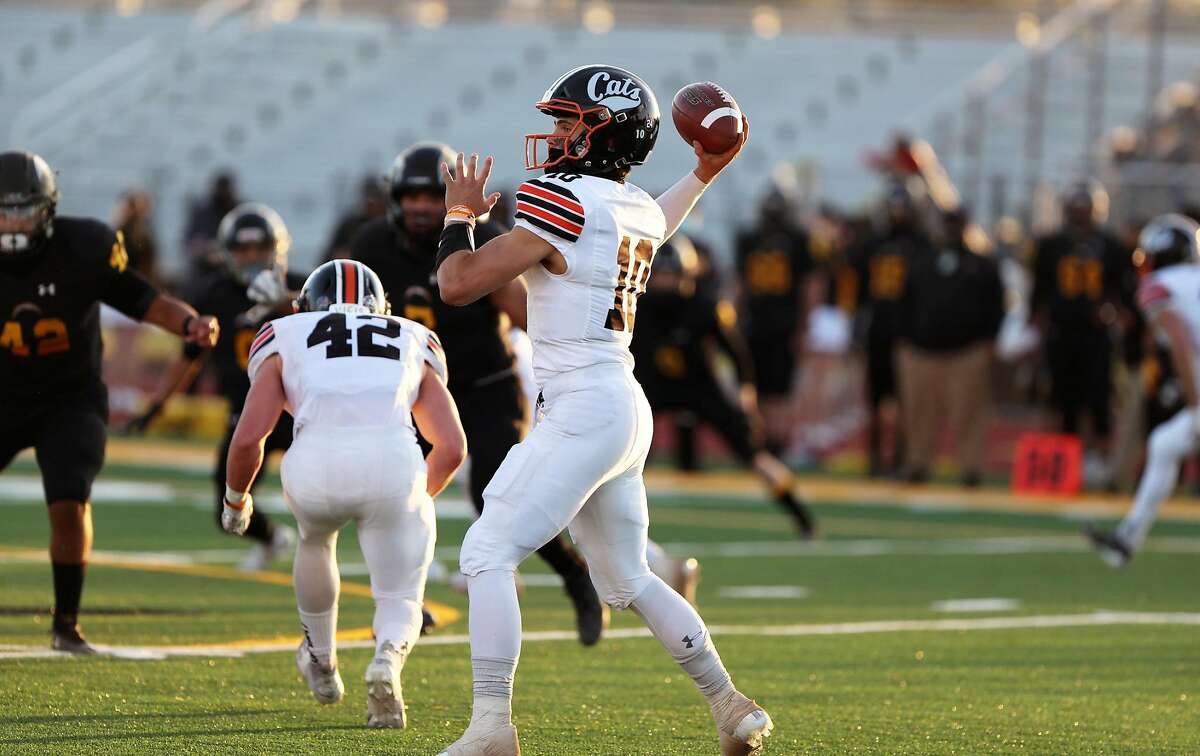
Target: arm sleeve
{"x": 550, "y": 210}
{"x": 265, "y": 344}
{"x": 432, "y": 353}
{"x": 121, "y": 286}
{"x": 679, "y": 200}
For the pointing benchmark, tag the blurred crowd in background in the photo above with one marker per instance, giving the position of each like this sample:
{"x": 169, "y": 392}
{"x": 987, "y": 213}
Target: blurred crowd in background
{"x": 899, "y": 339}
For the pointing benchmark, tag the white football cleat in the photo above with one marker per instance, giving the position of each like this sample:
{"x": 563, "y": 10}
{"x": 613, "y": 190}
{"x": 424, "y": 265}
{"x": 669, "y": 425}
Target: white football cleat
{"x": 742, "y": 725}
{"x": 487, "y": 737}
{"x": 324, "y": 681}
{"x": 260, "y": 556}
{"x": 385, "y": 701}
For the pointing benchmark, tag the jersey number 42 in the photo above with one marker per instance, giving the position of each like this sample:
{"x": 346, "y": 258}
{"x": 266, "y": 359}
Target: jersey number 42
{"x": 342, "y": 334}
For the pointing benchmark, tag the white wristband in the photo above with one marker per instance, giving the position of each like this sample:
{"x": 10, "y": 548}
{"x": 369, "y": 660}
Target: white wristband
{"x": 232, "y": 496}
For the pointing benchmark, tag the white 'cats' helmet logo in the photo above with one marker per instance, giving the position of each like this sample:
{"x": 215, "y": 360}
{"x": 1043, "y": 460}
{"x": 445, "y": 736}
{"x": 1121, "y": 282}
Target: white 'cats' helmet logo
{"x": 614, "y": 94}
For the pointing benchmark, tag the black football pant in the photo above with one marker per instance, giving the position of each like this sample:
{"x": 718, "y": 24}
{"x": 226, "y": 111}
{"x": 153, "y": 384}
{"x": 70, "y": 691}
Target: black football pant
{"x": 881, "y": 385}
{"x": 495, "y": 417}
{"x": 702, "y": 400}
{"x": 261, "y": 528}
{"x": 1081, "y": 374}
{"x": 68, "y": 431}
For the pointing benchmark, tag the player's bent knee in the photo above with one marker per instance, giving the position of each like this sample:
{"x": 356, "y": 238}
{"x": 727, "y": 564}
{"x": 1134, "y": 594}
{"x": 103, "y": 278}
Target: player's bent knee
{"x": 1165, "y": 443}
{"x": 482, "y": 550}
{"x": 619, "y": 593}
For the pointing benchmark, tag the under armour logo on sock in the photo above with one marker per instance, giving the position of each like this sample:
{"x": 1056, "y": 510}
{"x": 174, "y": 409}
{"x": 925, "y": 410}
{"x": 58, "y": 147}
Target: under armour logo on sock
{"x": 690, "y": 641}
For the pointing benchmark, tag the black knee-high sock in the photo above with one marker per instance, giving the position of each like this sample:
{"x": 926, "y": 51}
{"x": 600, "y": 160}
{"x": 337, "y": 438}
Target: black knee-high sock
{"x": 563, "y": 559}
{"x": 798, "y": 509}
{"x": 68, "y": 588}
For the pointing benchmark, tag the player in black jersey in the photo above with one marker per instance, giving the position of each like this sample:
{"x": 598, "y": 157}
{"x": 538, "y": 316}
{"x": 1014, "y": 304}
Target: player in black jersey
{"x": 54, "y": 273}
{"x": 1083, "y": 288}
{"x": 401, "y": 249}
{"x": 682, "y": 333}
{"x": 881, "y": 265}
{"x": 252, "y": 287}
{"x": 773, "y": 263}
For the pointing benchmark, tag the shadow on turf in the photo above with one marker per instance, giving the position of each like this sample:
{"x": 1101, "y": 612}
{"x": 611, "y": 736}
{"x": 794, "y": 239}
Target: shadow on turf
{"x": 58, "y": 718}
{"x": 107, "y": 611}
{"x": 118, "y": 736}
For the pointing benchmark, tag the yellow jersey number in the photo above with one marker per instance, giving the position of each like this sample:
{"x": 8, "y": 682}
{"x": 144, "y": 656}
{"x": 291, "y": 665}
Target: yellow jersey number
{"x": 769, "y": 273}
{"x": 888, "y": 274}
{"x": 1078, "y": 277}
{"x": 49, "y": 337}
{"x": 422, "y": 314}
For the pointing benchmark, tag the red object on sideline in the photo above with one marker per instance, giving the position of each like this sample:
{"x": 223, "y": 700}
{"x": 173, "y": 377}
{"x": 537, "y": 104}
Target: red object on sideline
{"x": 1047, "y": 463}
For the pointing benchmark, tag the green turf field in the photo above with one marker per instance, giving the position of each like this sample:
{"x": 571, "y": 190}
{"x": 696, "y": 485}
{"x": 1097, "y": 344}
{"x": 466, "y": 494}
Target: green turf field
{"x": 843, "y": 641}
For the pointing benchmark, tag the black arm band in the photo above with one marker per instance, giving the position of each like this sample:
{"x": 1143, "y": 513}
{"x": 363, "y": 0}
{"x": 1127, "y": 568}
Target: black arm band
{"x": 187, "y": 322}
{"x": 456, "y": 237}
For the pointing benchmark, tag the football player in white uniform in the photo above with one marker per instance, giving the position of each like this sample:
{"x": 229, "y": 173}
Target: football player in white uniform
{"x": 353, "y": 378}
{"x": 1169, "y": 297}
{"x": 584, "y": 241}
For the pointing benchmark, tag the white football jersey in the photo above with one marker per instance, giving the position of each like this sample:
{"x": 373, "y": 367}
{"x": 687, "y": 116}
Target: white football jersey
{"x": 608, "y": 232}
{"x": 349, "y": 370}
{"x": 1175, "y": 287}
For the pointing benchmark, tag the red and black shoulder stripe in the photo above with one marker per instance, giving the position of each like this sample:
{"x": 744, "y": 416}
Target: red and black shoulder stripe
{"x": 550, "y": 207}
{"x": 1152, "y": 295}
{"x": 435, "y": 344}
{"x": 265, "y": 336}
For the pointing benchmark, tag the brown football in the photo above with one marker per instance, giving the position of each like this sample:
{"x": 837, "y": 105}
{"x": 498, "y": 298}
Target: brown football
{"x": 704, "y": 112}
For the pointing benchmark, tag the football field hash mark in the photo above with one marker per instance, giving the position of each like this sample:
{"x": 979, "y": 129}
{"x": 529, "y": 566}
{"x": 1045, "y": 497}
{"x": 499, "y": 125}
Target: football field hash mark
{"x": 764, "y": 592}
{"x": 976, "y": 605}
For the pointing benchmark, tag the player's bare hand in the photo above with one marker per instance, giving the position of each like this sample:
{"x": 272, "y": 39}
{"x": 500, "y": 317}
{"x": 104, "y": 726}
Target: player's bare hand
{"x": 709, "y": 164}
{"x": 202, "y": 331}
{"x": 467, "y": 184}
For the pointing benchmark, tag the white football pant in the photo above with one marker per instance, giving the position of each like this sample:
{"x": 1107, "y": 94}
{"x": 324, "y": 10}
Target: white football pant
{"x": 1169, "y": 444}
{"x": 377, "y": 479}
{"x": 580, "y": 468}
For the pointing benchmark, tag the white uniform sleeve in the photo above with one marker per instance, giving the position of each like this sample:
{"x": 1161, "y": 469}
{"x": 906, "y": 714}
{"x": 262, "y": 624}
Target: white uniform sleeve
{"x": 432, "y": 352}
{"x": 548, "y": 208}
{"x": 266, "y": 343}
{"x": 678, "y": 201}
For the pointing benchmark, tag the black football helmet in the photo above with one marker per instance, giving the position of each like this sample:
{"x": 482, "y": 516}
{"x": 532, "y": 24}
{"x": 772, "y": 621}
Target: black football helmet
{"x": 343, "y": 286}
{"x": 618, "y": 122}
{"x": 1169, "y": 239}
{"x": 417, "y": 168}
{"x": 1085, "y": 200}
{"x": 253, "y": 238}
{"x": 28, "y": 200}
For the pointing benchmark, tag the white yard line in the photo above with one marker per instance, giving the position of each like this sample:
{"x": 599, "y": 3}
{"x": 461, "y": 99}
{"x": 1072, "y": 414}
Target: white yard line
{"x": 1096, "y": 619}
{"x": 859, "y": 547}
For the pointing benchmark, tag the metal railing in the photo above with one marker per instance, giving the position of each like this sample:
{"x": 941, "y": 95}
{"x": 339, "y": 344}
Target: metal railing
{"x": 1039, "y": 115}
